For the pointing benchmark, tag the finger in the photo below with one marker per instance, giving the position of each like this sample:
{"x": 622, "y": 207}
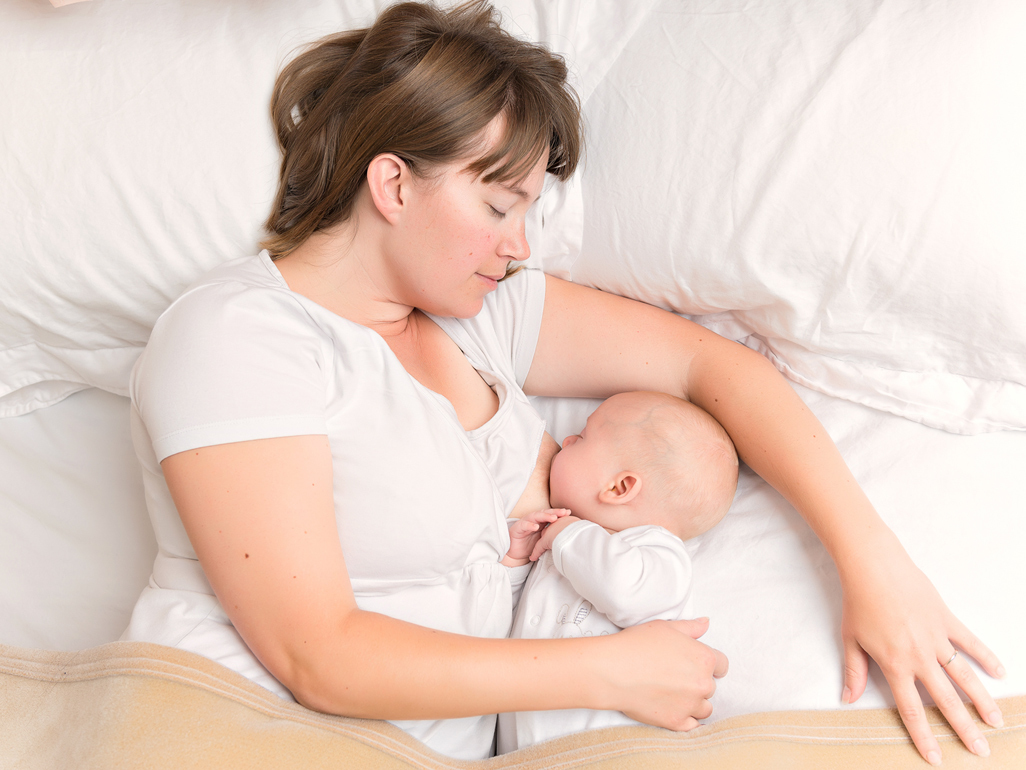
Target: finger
{"x": 703, "y": 710}
{"x": 951, "y": 706}
{"x": 856, "y": 671}
{"x": 963, "y": 675}
{"x": 969, "y": 643}
{"x": 539, "y": 548}
{"x": 711, "y": 692}
{"x": 722, "y": 664}
{"x": 689, "y": 724}
{"x": 912, "y": 713}
{"x": 693, "y": 628}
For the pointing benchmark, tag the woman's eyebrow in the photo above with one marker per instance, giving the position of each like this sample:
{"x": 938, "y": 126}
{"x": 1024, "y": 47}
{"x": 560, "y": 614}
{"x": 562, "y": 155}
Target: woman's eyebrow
{"x": 518, "y": 191}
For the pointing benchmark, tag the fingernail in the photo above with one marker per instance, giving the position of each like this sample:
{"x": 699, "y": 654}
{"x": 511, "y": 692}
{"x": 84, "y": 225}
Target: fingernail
{"x": 933, "y": 757}
{"x": 846, "y": 694}
{"x": 1000, "y": 673}
{"x": 980, "y": 748}
{"x": 995, "y": 719}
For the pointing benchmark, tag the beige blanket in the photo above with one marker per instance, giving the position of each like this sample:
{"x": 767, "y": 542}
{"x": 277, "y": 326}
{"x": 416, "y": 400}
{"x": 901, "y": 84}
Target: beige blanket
{"x": 137, "y": 705}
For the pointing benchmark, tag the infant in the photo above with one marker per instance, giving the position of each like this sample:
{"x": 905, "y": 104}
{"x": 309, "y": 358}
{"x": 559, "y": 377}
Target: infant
{"x": 647, "y": 472}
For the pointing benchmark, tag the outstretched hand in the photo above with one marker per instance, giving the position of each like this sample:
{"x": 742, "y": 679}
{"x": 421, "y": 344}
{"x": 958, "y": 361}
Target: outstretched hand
{"x": 893, "y": 613}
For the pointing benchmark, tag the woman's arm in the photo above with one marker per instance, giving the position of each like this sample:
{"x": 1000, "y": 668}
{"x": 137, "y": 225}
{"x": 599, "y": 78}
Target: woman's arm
{"x": 260, "y": 515}
{"x": 595, "y": 344}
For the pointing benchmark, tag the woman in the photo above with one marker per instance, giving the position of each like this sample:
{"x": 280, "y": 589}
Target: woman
{"x": 334, "y": 432}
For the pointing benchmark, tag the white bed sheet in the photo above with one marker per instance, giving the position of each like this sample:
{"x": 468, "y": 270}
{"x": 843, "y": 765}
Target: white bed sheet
{"x": 76, "y": 546}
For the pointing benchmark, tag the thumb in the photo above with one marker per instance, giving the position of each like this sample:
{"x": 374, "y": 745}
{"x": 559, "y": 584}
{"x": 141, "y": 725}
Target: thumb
{"x": 693, "y": 628}
{"x": 856, "y": 671}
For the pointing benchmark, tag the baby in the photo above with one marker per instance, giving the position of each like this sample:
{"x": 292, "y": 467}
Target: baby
{"x": 647, "y": 472}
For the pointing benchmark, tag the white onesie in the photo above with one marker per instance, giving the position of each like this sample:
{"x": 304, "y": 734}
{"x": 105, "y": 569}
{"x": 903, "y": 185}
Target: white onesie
{"x": 420, "y": 503}
{"x": 591, "y": 583}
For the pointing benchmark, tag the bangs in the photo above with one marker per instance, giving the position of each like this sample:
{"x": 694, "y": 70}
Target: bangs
{"x": 529, "y": 130}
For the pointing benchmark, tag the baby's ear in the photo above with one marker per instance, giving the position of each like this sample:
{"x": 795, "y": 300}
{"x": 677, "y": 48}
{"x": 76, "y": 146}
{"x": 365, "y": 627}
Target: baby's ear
{"x": 625, "y": 487}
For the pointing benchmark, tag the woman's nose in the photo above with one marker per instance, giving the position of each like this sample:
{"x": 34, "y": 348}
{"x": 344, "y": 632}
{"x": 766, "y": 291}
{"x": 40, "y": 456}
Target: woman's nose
{"x": 515, "y": 245}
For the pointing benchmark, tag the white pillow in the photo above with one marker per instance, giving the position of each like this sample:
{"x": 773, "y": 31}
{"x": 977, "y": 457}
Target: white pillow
{"x": 844, "y": 181}
{"x": 137, "y": 155}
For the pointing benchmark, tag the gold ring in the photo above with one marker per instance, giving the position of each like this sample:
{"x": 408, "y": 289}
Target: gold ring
{"x": 953, "y": 656}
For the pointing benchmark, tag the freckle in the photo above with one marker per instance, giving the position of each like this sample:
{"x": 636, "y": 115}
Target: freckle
{"x": 293, "y": 577}
{"x": 247, "y": 555}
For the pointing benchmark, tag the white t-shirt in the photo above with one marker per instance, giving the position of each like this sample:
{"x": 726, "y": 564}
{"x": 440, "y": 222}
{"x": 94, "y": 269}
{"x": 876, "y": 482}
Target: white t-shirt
{"x": 591, "y": 583}
{"x": 420, "y": 503}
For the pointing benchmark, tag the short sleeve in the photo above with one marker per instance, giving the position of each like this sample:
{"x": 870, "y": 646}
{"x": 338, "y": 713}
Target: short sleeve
{"x": 232, "y": 362}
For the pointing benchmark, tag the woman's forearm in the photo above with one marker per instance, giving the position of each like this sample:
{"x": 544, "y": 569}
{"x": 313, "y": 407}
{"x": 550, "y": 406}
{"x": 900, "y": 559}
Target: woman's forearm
{"x": 780, "y": 439}
{"x": 378, "y": 667}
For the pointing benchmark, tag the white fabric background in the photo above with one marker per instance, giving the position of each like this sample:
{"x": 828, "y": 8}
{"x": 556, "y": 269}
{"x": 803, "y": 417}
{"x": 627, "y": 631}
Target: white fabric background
{"x": 845, "y": 180}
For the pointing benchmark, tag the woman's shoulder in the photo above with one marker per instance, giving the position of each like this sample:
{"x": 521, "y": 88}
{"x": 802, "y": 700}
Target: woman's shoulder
{"x": 235, "y": 349}
{"x": 241, "y": 297}
{"x": 247, "y": 279}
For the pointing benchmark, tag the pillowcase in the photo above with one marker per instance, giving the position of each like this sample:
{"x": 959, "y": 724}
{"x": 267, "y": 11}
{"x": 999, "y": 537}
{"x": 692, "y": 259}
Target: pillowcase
{"x": 138, "y": 154}
{"x": 841, "y": 184}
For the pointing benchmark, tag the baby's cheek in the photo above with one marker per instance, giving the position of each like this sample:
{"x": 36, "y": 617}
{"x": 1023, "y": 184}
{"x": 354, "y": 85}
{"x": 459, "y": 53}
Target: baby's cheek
{"x": 560, "y": 486}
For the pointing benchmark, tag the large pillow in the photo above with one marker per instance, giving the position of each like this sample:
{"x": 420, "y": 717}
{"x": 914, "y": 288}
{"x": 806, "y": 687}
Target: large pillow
{"x": 841, "y": 183}
{"x": 137, "y": 154}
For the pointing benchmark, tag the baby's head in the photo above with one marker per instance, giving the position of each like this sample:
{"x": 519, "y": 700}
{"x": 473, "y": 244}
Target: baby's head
{"x": 647, "y": 458}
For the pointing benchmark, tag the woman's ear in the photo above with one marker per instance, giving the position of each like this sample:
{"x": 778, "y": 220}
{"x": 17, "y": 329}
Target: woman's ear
{"x": 387, "y": 177}
{"x": 625, "y": 487}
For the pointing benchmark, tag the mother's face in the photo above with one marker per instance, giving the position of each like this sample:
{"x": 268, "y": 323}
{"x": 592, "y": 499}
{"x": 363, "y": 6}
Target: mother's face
{"x": 457, "y": 236}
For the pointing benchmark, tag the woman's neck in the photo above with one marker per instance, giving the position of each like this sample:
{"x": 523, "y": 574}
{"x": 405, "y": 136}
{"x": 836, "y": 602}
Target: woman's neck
{"x": 337, "y": 270}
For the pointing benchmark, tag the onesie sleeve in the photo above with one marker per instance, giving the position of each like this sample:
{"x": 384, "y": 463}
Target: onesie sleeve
{"x": 633, "y": 576}
{"x": 231, "y": 362}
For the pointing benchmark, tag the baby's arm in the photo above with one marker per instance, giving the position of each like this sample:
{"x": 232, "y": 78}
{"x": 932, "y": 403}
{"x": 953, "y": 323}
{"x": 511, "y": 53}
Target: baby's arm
{"x": 633, "y": 576}
{"x": 524, "y": 533}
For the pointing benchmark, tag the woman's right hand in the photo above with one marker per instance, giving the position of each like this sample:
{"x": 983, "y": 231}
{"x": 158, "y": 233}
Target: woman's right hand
{"x": 671, "y": 675}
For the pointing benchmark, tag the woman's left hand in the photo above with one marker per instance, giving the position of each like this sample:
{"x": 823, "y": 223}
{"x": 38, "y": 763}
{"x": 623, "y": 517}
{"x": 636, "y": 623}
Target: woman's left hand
{"x": 892, "y": 612}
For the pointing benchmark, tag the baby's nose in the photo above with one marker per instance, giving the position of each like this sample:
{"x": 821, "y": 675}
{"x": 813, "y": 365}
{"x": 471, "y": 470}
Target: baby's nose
{"x": 569, "y": 441}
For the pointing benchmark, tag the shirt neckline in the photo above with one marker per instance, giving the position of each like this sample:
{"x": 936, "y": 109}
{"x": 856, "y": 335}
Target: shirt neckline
{"x": 503, "y": 390}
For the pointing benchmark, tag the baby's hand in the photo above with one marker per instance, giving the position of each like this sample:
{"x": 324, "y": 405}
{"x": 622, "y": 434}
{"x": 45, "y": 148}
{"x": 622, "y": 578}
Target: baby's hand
{"x": 525, "y": 531}
{"x": 544, "y": 542}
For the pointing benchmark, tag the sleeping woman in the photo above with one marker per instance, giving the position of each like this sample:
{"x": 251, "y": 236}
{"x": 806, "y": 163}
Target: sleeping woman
{"x": 333, "y": 431}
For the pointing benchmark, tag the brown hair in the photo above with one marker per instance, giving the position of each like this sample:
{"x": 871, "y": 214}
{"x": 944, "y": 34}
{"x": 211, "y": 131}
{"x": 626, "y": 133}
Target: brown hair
{"x": 422, "y": 83}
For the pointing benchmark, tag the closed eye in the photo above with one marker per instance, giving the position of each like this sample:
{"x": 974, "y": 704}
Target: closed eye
{"x": 496, "y": 213}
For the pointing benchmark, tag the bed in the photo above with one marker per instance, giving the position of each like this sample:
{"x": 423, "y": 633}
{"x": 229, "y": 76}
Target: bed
{"x": 841, "y": 186}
